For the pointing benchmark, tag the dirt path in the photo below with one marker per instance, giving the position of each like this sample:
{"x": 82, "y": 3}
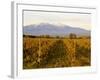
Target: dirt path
{"x": 56, "y": 57}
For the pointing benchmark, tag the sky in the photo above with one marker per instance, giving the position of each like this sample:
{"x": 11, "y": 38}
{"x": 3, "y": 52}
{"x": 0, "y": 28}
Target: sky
{"x": 72, "y": 19}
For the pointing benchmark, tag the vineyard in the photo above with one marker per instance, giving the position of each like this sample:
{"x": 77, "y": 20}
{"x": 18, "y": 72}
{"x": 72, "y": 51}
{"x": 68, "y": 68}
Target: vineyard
{"x": 52, "y": 53}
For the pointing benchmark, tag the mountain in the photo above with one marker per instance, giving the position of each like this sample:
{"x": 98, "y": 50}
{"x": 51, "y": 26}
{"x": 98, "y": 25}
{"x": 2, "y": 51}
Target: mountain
{"x": 54, "y": 30}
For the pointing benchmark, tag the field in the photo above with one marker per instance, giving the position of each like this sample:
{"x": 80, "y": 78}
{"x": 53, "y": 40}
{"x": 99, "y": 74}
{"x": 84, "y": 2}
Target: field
{"x": 56, "y": 52}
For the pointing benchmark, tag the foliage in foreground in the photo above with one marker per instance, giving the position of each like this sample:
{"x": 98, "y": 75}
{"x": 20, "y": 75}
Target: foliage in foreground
{"x": 52, "y": 53}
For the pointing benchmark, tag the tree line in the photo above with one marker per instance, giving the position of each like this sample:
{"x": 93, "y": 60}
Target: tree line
{"x": 71, "y": 36}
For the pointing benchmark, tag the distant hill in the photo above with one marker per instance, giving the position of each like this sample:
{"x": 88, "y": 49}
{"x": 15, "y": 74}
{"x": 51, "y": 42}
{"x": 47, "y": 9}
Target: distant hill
{"x": 53, "y": 30}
